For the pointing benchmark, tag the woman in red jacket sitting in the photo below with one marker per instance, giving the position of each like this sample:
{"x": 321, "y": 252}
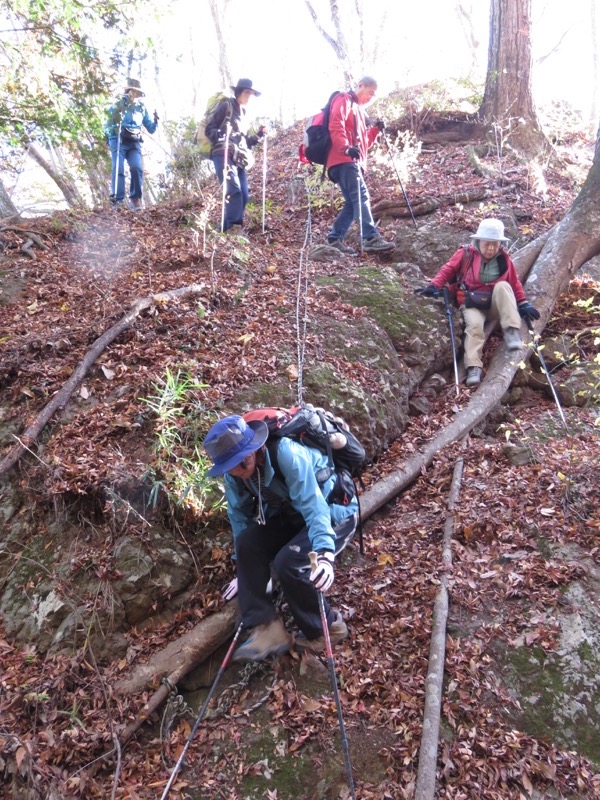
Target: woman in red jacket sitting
{"x": 485, "y": 283}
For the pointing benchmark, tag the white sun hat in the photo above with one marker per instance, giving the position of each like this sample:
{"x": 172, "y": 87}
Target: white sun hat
{"x": 490, "y": 230}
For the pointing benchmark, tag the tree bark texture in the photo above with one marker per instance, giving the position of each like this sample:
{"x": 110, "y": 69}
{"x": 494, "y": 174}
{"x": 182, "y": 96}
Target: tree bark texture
{"x": 434, "y": 683}
{"x": 184, "y": 653}
{"x": 7, "y": 207}
{"x": 507, "y": 99}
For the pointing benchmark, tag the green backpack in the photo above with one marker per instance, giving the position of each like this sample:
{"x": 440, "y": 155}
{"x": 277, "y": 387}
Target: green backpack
{"x": 201, "y": 140}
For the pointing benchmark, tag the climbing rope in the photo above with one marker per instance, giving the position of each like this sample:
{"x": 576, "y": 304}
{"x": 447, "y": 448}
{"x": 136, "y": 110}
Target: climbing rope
{"x": 301, "y": 294}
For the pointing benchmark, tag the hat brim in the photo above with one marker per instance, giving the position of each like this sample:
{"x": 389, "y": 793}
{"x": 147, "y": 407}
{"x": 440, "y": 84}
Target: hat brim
{"x": 261, "y": 433}
{"x": 487, "y": 238}
{"x": 245, "y": 89}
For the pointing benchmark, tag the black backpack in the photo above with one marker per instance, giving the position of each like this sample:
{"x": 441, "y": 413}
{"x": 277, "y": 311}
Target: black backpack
{"x": 317, "y": 138}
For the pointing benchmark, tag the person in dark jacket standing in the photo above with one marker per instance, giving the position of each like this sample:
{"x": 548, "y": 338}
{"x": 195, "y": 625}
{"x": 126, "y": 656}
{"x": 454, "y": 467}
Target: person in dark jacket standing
{"x": 276, "y": 522}
{"x": 486, "y": 286}
{"x": 351, "y": 137}
{"x": 231, "y": 151}
{"x": 124, "y": 130}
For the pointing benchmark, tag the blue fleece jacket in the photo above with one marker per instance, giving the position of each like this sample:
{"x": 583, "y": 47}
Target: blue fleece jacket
{"x": 131, "y": 113}
{"x": 299, "y": 465}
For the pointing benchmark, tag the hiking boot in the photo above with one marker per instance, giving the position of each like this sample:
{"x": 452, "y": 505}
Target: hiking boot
{"x": 473, "y": 376}
{"x": 338, "y": 630}
{"x": 136, "y": 203}
{"x": 377, "y": 245}
{"x": 269, "y": 639}
{"x": 343, "y": 248}
{"x": 512, "y": 339}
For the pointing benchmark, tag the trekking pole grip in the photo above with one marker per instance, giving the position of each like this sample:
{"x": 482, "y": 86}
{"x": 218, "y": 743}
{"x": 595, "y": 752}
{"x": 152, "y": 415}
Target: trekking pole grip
{"x": 312, "y": 557}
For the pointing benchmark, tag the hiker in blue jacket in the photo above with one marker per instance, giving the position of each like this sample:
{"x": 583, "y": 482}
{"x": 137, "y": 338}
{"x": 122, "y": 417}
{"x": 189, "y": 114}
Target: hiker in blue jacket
{"x": 231, "y": 152}
{"x": 275, "y": 524}
{"x": 124, "y": 130}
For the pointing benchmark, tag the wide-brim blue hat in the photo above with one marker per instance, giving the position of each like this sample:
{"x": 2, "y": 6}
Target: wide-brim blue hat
{"x": 230, "y": 440}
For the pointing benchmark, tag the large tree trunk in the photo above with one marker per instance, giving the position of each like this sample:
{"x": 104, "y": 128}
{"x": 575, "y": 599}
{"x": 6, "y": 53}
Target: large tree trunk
{"x": 507, "y": 100}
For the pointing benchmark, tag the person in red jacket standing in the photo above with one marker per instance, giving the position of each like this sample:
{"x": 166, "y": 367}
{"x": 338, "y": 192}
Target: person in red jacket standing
{"x": 351, "y": 137}
{"x": 485, "y": 283}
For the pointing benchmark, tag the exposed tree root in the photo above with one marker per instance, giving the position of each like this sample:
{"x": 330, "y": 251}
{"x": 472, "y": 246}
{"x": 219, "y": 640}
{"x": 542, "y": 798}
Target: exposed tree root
{"x": 425, "y": 787}
{"x": 398, "y": 208}
{"x": 61, "y": 398}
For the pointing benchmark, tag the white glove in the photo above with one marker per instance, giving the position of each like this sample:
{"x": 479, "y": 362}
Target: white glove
{"x": 230, "y": 591}
{"x": 322, "y": 573}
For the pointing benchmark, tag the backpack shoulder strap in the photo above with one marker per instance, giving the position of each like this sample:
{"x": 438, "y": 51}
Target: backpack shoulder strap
{"x": 272, "y": 448}
{"x": 467, "y": 261}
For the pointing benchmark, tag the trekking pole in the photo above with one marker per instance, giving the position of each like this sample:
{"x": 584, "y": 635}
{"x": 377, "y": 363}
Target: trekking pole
{"x": 538, "y": 352}
{"x": 446, "y": 296}
{"x": 360, "y": 236}
{"x": 385, "y": 139}
{"x": 116, "y": 165}
{"x": 264, "y": 180}
{"x": 225, "y": 175}
{"x": 313, "y": 563}
{"x": 202, "y": 712}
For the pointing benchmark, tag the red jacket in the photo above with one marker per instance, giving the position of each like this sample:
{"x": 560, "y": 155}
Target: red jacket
{"x": 450, "y": 273}
{"x": 348, "y": 128}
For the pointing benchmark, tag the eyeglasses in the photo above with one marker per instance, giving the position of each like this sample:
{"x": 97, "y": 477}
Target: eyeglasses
{"x": 244, "y": 463}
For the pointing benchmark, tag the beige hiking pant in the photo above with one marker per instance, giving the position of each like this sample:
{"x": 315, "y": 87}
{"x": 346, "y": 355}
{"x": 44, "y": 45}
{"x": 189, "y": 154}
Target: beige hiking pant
{"x": 504, "y": 308}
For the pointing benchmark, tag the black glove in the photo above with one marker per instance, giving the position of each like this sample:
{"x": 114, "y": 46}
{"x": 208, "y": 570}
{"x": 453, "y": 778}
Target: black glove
{"x": 353, "y": 152}
{"x": 528, "y": 312}
{"x": 379, "y": 123}
{"x": 261, "y": 131}
{"x": 156, "y": 117}
{"x": 430, "y": 290}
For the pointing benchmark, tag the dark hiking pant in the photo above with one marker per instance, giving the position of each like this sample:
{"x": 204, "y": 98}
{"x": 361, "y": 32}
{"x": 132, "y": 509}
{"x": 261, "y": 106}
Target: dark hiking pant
{"x": 278, "y": 544}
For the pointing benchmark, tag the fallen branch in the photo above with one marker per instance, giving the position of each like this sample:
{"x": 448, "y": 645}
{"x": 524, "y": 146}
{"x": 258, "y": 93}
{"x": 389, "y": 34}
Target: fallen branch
{"x": 182, "y": 655}
{"x": 62, "y": 397}
{"x": 398, "y": 208}
{"x": 425, "y": 787}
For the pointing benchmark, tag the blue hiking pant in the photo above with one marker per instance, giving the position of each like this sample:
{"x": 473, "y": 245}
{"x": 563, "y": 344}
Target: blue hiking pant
{"x": 236, "y": 191}
{"x": 130, "y": 152}
{"x": 277, "y": 543}
{"x": 357, "y": 203}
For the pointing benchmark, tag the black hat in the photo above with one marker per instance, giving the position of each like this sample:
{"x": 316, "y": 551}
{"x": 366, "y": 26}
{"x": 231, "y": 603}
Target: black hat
{"x": 244, "y": 83}
{"x": 132, "y": 83}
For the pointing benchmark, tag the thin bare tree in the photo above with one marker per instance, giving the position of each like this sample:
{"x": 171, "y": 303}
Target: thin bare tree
{"x": 464, "y": 12}
{"x": 218, "y": 10}
{"x": 339, "y": 43}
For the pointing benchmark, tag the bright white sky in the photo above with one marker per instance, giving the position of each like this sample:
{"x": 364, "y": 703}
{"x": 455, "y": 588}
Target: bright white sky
{"x": 276, "y": 44}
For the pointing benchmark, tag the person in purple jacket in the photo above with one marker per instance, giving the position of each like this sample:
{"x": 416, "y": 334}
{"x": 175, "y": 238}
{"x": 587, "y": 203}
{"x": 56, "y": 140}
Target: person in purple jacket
{"x": 486, "y": 286}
